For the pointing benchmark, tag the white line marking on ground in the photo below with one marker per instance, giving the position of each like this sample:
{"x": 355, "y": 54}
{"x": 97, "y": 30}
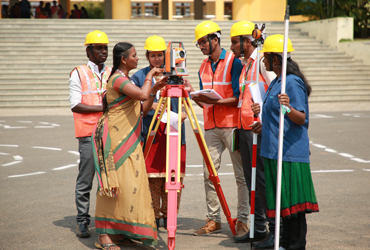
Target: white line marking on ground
{"x": 10, "y": 127}
{"x": 194, "y": 166}
{"x": 10, "y": 163}
{"x": 18, "y": 158}
{"x": 368, "y": 170}
{"x": 229, "y": 164}
{"x": 8, "y": 145}
{"x": 341, "y": 154}
{"x": 194, "y": 174}
{"x": 346, "y": 155}
{"x": 360, "y": 160}
{"x": 22, "y": 175}
{"x": 47, "y": 125}
{"x": 1, "y": 153}
{"x": 25, "y": 121}
{"x": 47, "y": 148}
{"x": 332, "y": 171}
{"x": 65, "y": 167}
{"x": 74, "y": 152}
{"x": 320, "y": 116}
{"x": 330, "y": 150}
{"x": 225, "y": 173}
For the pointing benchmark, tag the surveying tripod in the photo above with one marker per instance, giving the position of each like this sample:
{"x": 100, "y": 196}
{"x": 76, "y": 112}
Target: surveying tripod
{"x": 175, "y": 89}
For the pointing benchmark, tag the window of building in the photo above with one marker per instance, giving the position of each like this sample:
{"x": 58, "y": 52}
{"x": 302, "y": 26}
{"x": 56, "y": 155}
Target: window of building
{"x": 182, "y": 9}
{"x": 136, "y": 9}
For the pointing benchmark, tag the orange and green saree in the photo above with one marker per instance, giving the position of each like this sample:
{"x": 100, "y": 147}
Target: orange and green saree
{"x": 124, "y": 203}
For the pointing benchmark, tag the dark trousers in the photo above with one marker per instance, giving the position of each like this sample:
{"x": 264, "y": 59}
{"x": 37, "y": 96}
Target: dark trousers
{"x": 84, "y": 179}
{"x": 294, "y": 233}
{"x": 246, "y": 150}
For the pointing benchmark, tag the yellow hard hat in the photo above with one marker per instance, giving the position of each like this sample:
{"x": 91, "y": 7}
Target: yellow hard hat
{"x": 155, "y": 43}
{"x": 242, "y": 28}
{"x": 96, "y": 36}
{"x": 205, "y": 28}
{"x": 275, "y": 43}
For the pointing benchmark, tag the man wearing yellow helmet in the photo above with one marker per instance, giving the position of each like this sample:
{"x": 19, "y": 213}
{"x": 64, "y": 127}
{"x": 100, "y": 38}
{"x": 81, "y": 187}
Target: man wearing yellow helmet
{"x": 87, "y": 84}
{"x": 297, "y": 191}
{"x": 243, "y": 46}
{"x": 220, "y": 71}
{"x": 155, "y": 47}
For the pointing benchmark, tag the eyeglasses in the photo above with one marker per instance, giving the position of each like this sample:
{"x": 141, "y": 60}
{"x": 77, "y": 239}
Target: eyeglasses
{"x": 201, "y": 43}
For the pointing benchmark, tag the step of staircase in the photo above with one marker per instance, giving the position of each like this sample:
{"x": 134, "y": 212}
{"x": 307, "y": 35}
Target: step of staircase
{"x": 36, "y": 57}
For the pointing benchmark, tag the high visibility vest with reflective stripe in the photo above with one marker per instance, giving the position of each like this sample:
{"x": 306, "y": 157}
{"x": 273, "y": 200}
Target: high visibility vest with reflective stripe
{"x": 85, "y": 123}
{"x": 246, "y": 113}
{"x": 218, "y": 115}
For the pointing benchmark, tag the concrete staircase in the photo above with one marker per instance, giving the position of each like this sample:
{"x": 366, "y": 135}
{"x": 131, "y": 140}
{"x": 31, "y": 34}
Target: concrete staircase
{"x": 36, "y": 57}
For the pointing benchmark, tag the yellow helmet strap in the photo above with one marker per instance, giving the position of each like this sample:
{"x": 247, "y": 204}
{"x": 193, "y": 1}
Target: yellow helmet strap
{"x": 92, "y": 53}
{"x": 211, "y": 37}
{"x": 241, "y": 46}
{"x": 271, "y": 58}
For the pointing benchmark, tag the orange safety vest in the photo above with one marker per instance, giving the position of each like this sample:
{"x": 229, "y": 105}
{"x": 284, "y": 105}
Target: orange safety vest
{"x": 246, "y": 113}
{"x": 219, "y": 116}
{"x": 85, "y": 123}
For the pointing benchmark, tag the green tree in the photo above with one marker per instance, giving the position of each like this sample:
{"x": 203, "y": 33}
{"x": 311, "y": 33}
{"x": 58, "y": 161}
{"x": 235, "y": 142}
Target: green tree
{"x": 321, "y": 9}
{"x": 94, "y": 9}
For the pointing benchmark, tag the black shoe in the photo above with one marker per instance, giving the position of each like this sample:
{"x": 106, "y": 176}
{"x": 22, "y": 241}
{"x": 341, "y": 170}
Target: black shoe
{"x": 257, "y": 237}
{"x": 267, "y": 243}
{"x": 82, "y": 230}
{"x": 165, "y": 223}
{"x": 157, "y": 221}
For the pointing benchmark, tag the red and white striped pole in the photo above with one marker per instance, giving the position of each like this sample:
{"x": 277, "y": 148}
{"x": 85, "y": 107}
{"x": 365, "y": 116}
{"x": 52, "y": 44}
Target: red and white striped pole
{"x": 253, "y": 183}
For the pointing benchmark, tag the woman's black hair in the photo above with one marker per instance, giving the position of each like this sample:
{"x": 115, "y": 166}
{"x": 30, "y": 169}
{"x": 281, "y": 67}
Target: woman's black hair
{"x": 293, "y": 68}
{"x": 120, "y": 50}
{"x": 105, "y": 101}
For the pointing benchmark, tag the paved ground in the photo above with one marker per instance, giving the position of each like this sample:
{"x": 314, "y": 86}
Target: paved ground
{"x": 38, "y": 163}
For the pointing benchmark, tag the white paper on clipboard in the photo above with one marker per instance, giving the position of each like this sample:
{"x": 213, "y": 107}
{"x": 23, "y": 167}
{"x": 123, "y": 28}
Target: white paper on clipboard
{"x": 210, "y": 93}
{"x": 173, "y": 119}
{"x": 258, "y": 93}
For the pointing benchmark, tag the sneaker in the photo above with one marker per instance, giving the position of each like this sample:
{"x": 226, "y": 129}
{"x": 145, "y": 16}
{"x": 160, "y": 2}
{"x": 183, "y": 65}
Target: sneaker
{"x": 210, "y": 228}
{"x": 241, "y": 229}
{"x": 82, "y": 230}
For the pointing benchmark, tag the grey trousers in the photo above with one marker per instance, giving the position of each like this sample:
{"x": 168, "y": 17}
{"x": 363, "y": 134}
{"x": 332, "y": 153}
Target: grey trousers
{"x": 217, "y": 141}
{"x": 84, "y": 179}
{"x": 246, "y": 150}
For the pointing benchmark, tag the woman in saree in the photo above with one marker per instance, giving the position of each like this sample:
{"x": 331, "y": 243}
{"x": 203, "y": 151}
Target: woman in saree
{"x": 123, "y": 206}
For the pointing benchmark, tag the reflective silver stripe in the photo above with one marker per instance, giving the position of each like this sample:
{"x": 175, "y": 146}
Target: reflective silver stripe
{"x": 87, "y": 79}
{"x": 201, "y": 75}
{"x": 216, "y": 83}
{"x": 221, "y": 83}
{"x": 253, "y": 70}
{"x": 90, "y": 92}
{"x": 207, "y": 83}
{"x": 226, "y": 67}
